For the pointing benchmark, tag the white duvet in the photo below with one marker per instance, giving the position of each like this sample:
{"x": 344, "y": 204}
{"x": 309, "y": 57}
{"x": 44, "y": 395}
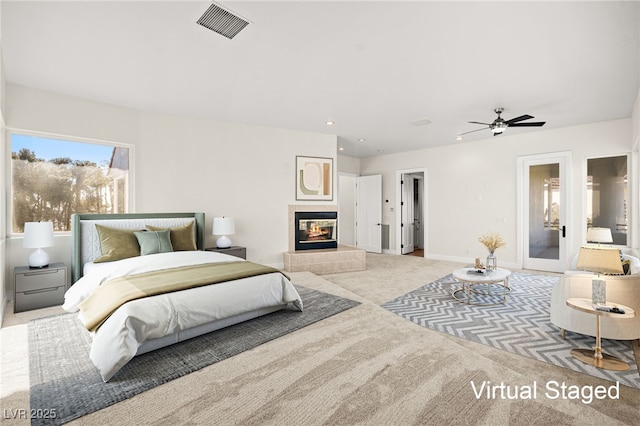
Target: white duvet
{"x": 117, "y": 340}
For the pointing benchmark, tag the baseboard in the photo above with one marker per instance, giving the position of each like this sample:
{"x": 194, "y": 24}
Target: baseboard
{"x": 468, "y": 260}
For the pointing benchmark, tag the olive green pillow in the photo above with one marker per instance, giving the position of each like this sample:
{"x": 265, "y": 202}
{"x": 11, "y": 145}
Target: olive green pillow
{"x": 116, "y": 244}
{"x": 183, "y": 238}
{"x": 152, "y": 242}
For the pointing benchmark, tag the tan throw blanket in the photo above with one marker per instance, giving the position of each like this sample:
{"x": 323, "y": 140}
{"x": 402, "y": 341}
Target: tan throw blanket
{"x": 114, "y": 293}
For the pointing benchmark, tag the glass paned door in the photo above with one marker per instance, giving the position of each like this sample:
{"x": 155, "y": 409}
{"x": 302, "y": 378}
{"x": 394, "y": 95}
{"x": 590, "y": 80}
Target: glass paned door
{"x": 545, "y": 213}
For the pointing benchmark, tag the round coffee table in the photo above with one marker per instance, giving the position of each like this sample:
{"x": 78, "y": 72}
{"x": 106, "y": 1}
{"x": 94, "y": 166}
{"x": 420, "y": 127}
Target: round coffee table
{"x": 489, "y": 284}
{"x": 596, "y": 357}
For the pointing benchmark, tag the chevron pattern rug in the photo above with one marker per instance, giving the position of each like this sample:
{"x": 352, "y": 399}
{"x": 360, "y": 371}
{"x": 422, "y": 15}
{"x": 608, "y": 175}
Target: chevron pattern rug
{"x": 520, "y": 326}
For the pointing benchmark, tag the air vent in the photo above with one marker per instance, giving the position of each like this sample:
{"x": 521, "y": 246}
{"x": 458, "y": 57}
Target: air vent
{"x": 420, "y": 122}
{"x": 222, "y": 21}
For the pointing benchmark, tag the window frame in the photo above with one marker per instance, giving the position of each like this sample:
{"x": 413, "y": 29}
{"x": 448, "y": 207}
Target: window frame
{"x": 585, "y": 213}
{"x": 8, "y": 134}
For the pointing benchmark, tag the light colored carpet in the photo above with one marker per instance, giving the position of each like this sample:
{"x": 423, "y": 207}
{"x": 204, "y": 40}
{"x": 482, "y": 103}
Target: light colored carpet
{"x": 362, "y": 366}
{"x": 62, "y": 378}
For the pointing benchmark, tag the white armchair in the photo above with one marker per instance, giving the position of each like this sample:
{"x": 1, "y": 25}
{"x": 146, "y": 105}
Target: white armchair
{"x": 624, "y": 289}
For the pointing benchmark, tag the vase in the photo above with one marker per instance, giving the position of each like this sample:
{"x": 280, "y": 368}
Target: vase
{"x": 598, "y": 291}
{"x": 492, "y": 262}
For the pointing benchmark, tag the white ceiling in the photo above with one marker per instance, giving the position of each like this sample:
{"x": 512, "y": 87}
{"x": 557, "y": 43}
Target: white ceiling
{"x": 373, "y": 67}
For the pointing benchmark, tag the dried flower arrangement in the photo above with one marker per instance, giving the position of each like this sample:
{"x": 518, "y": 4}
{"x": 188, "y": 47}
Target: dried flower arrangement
{"x": 492, "y": 241}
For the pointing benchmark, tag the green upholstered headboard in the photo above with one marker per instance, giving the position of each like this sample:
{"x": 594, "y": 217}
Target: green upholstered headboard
{"x": 85, "y": 244}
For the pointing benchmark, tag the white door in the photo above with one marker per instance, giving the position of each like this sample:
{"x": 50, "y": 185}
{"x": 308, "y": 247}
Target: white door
{"x": 544, "y": 211}
{"x": 369, "y": 213}
{"x": 407, "y": 212}
{"x": 347, "y": 209}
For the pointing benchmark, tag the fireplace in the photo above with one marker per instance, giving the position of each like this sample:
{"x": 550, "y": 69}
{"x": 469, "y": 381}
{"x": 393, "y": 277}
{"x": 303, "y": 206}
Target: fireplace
{"x": 316, "y": 230}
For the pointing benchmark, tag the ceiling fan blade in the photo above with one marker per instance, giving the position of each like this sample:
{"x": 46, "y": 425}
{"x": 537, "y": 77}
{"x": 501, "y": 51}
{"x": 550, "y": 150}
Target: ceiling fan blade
{"x": 533, "y": 124}
{"x": 477, "y": 130}
{"x": 477, "y": 122}
{"x": 522, "y": 117}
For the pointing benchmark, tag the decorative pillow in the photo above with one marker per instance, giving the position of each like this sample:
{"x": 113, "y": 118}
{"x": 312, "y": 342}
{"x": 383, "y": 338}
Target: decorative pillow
{"x": 116, "y": 244}
{"x": 183, "y": 238}
{"x": 152, "y": 242}
{"x": 626, "y": 267}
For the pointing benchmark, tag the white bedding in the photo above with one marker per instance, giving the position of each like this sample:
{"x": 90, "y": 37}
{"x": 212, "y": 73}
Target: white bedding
{"x": 117, "y": 340}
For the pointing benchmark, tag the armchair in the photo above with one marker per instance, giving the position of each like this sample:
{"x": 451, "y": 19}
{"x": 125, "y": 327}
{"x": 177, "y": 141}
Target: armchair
{"x": 623, "y": 289}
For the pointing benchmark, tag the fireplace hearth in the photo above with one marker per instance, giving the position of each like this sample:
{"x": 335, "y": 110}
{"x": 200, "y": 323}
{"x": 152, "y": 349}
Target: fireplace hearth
{"x": 329, "y": 261}
{"x": 316, "y": 230}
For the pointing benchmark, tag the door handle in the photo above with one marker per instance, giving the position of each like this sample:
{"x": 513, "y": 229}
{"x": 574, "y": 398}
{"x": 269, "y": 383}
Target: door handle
{"x": 564, "y": 231}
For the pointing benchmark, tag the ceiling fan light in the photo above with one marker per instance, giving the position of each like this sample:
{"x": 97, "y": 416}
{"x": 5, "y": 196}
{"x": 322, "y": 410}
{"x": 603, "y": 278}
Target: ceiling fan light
{"x": 498, "y": 128}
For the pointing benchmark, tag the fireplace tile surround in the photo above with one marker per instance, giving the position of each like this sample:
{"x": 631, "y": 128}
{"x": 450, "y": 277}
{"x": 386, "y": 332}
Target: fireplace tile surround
{"x": 323, "y": 261}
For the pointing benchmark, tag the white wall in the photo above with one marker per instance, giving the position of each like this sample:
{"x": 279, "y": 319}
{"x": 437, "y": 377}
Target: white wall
{"x": 184, "y": 164}
{"x": 472, "y": 186}
{"x": 223, "y": 169}
{"x": 635, "y": 176}
{"x": 3, "y": 221}
{"x": 348, "y": 164}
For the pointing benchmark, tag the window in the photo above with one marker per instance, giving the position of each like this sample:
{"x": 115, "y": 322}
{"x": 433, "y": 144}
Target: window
{"x": 53, "y": 178}
{"x": 608, "y": 197}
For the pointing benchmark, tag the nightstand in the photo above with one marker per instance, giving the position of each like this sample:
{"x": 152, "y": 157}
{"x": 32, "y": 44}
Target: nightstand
{"x": 39, "y": 287}
{"x": 236, "y": 251}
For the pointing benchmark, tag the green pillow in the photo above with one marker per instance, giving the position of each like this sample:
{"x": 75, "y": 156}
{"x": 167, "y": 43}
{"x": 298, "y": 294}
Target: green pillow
{"x": 182, "y": 237}
{"x": 152, "y": 242}
{"x": 116, "y": 244}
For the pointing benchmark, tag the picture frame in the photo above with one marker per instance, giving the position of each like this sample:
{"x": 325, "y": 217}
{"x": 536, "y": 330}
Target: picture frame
{"x": 314, "y": 178}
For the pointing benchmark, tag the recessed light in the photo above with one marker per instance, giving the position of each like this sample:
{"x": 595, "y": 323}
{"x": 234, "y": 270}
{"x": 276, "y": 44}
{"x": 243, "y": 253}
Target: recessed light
{"x": 459, "y": 138}
{"x": 329, "y": 122}
{"x": 341, "y": 148}
{"x": 361, "y": 140}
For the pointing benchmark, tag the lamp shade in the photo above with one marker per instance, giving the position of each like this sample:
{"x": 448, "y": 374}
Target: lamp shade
{"x": 38, "y": 235}
{"x": 599, "y": 235}
{"x": 223, "y": 226}
{"x": 600, "y": 260}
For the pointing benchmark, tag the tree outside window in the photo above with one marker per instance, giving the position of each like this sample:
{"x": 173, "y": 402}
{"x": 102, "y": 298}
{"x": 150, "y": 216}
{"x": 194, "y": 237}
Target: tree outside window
{"x": 54, "y": 178}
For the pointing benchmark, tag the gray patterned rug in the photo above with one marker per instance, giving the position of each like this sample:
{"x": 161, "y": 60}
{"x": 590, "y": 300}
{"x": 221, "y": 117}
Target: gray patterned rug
{"x": 65, "y": 382}
{"x": 520, "y": 326}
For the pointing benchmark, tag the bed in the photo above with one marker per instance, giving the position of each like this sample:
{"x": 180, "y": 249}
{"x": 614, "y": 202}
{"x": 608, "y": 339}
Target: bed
{"x": 137, "y": 325}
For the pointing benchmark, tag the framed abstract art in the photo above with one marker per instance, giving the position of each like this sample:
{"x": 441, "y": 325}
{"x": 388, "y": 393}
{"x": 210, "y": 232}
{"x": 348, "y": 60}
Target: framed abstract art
{"x": 314, "y": 178}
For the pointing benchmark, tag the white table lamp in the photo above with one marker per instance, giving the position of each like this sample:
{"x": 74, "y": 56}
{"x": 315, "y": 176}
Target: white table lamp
{"x": 599, "y": 235}
{"x": 38, "y": 235}
{"x": 223, "y": 226}
{"x": 599, "y": 261}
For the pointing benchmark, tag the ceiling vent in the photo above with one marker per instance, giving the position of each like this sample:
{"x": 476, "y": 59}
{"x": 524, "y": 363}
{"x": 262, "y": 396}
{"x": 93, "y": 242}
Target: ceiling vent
{"x": 222, "y": 21}
{"x": 420, "y": 122}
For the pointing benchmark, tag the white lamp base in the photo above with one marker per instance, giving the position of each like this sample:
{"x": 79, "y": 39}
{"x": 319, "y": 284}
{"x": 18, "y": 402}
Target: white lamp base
{"x": 223, "y": 242}
{"x": 39, "y": 259}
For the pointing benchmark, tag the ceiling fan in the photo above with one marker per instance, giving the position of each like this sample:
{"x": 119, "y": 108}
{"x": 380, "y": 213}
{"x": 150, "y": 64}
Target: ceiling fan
{"x": 499, "y": 125}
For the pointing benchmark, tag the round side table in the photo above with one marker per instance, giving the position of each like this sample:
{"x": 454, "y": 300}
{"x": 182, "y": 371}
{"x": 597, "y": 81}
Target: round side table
{"x": 481, "y": 284}
{"x": 596, "y": 357}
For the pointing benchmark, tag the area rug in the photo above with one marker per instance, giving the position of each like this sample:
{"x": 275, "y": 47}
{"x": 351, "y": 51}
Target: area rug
{"x": 520, "y": 326}
{"x": 65, "y": 385}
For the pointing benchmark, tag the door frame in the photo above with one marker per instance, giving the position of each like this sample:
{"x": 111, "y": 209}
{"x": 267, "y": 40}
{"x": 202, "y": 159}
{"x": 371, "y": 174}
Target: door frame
{"x": 522, "y": 166}
{"x": 425, "y": 215}
{"x": 407, "y": 211}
